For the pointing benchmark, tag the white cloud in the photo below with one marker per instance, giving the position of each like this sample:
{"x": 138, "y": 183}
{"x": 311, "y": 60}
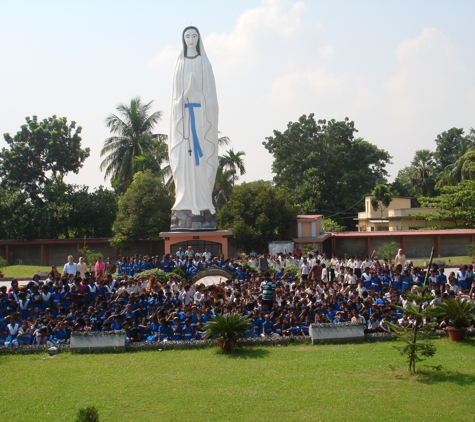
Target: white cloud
{"x": 429, "y": 76}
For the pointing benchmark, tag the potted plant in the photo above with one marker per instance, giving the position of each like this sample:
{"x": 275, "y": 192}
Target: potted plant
{"x": 226, "y": 329}
{"x": 461, "y": 312}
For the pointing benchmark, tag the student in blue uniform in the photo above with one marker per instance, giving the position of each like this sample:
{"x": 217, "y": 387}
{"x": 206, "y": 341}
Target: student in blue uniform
{"x": 164, "y": 330}
{"x": 188, "y": 331}
{"x": 24, "y": 336}
{"x": 13, "y": 327}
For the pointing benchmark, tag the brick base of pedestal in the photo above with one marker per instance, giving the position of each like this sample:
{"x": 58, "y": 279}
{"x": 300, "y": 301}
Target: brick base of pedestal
{"x": 192, "y": 236}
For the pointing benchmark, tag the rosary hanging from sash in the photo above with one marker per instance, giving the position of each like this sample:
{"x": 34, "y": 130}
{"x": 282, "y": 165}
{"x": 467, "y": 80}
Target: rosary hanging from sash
{"x": 191, "y": 129}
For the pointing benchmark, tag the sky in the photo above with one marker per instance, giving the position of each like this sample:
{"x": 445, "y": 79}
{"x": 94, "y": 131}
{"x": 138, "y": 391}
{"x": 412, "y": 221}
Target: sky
{"x": 403, "y": 71}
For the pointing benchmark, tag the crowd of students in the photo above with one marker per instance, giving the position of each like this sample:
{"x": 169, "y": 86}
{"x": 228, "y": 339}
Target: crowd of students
{"x": 117, "y": 296}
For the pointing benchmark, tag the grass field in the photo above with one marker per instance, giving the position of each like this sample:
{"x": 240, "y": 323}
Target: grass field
{"x": 449, "y": 260}
{"x": 23, "y": 270}
{"x": 290, "y": 383}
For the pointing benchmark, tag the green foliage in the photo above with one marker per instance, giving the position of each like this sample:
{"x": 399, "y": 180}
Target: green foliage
{"x": 227, "y": 326}
{"x": 329, "y": 225}
{"x": 88, "y": 414}
{"x": 144, "y": 211}
{"x": 460, "y": 312}
{"x": 132, "y": 137}
{"x": 90, "y": 257}
{"x": 323, "y": 166}
{"x": 448, "y": 146}
{"x": 381, "y": 197}
{"x": 3, "y": 263}
{"x": 388, "y": 250}
{"x": 91, "y": 213}
{"x": 246, "y": 266}
{"x": 471, "y": 249}
{"x": 417, "y": 344}
{"x": 160, "y": 275}
{"x": 308, "y": 247}
{"x": 41, "y": 152}
{"x": 36, "y": 202}
{"x": 178, "y": 271}
{"x": 233, "y": 162}
{"x": 455, "y": 203}
{"x": 258, "y": 213}
{"x": 294, "y": 270}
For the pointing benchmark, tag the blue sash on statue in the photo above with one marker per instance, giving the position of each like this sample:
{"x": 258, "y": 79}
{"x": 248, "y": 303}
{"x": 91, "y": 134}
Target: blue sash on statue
{"x": 196, "y": 141}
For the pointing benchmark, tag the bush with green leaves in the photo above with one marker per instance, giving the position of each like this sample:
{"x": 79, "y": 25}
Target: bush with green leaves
{"x": 227, "y": 326}
{"x": 3, "y": 263}
{"x": 178, "y": 271}
{"x": 388, "y": 251}
{"x": 471, "y": 249}
{"x": 160, "y": 275}
{"x": 88, "y": 414}
{"x": 296, "y": 271}
{"x": 460, "y": 312}
{"x": 90, "y": 257}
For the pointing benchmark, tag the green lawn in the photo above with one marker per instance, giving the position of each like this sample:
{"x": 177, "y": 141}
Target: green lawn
{"x": 449, "y": 260}
{"x": 23, "y": 270}
{"x": 289, "y": 383}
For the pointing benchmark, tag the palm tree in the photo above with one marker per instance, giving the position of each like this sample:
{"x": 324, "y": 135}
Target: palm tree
{"x": 233, "y": 161}
{"x": 132, "y": 137}
{"x": 462, "y": 168}
{"x": 223, "y": 187}
{"x": 422, "y": 171}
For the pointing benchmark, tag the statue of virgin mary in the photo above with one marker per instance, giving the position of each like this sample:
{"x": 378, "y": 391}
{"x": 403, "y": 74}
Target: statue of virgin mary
{"x": 193, "y": 140}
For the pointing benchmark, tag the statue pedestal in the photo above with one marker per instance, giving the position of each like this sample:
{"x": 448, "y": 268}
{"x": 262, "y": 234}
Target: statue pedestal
{"x": 184, "y": 220}
{"x": 213, "y": 240}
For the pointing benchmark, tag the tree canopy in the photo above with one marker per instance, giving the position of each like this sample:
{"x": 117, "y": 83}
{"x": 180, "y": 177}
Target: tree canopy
{"x": 36, "y": 201}
{"x": 41, "y": 153}
{"x": 144, "y": 210}
{"x": 450, "y": 163}
{"x": 258, "y": 213}
{"x": 324, "y": 166}
{"x": 455, "y": 203}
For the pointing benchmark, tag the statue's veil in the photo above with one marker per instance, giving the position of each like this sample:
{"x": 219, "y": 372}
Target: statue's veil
{"x": 200, "y": 48}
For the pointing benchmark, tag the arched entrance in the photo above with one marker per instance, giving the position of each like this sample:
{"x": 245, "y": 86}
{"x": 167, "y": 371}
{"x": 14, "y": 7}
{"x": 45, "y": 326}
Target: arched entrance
{"x": 212, "y": 276}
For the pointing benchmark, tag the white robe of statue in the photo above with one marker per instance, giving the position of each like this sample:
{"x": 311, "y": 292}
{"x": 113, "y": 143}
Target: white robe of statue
{"x": 193, "y": 89}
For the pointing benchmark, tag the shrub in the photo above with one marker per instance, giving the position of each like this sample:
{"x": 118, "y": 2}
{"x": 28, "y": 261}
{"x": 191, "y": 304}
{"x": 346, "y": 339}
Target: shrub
{"x": 178, "y": 271}
{"x": 388, "y": 250}
{"x": 160, "y": 275}
{"x": 296, "y": 271}
{"x": 90, "y": 257}
{"x": 3, "y": 263}
{"x": 88, "y": 414}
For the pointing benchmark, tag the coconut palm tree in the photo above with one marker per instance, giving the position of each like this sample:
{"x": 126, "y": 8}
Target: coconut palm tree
{"x": 233, "y": 161}
{"x": 223, "y": 187}
{"x": 422, "y": 172}
{"x": 132, "y": 137}
{"x": 462, "y": 168}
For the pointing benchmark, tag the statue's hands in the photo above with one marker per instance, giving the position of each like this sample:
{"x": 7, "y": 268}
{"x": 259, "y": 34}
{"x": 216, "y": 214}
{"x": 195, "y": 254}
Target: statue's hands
{"x": 190, "y": 88}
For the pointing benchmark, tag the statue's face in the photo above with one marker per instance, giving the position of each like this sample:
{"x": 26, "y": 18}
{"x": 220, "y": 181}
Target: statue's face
{"x": 191, "y": 38}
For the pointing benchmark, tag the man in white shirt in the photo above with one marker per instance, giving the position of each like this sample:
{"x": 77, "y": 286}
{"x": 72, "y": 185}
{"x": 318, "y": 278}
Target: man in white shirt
{"x": 304, "y": 269}
{"x": 70, "y": 267}
{"x": 357, "y": 318}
